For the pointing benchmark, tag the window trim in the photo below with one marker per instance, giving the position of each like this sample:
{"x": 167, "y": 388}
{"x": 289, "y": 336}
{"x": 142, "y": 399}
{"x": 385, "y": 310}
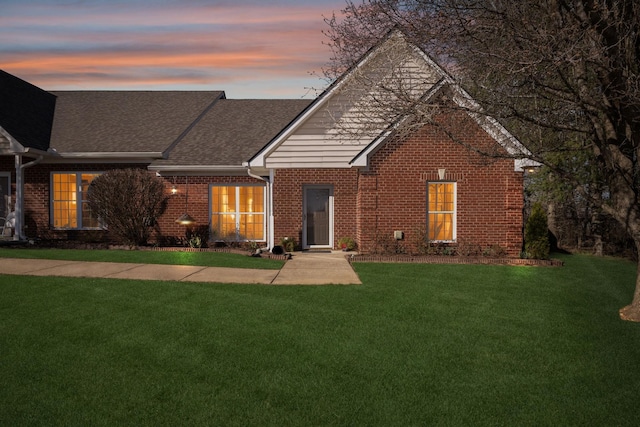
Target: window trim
{"x": 454, "y": 212}
{"x": 237, "y": 213}
{"x": 80, "y": 200}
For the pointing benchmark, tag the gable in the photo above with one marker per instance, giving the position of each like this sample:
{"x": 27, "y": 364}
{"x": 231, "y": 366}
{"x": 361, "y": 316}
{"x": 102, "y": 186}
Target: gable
{"x": 338, "y": 125}
{"x": 350, "y": 120}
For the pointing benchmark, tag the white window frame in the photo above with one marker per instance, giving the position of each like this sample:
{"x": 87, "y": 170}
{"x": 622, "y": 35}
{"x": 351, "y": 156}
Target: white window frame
{"x": 238, "y": 213}
{"x": 80, "y": 200}
{"x": 454, "y": 212}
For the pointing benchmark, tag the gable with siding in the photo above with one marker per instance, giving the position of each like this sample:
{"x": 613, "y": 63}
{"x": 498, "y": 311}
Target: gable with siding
{"x": 339, "y": 125}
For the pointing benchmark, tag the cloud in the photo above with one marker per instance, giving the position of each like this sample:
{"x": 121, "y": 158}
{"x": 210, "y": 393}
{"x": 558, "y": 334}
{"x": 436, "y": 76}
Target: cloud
{"x": 165, "y": 44}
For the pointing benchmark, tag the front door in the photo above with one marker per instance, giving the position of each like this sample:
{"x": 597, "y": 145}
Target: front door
{"x": 318, "y": 217}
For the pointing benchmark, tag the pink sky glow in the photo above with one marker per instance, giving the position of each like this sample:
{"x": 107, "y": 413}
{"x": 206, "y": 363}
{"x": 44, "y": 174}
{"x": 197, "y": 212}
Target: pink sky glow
{"x": 248, "y": 48}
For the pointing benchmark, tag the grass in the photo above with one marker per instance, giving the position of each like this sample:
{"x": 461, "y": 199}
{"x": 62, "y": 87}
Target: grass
{"x": 413, "y": 345}
{"x": 205, "y": 259}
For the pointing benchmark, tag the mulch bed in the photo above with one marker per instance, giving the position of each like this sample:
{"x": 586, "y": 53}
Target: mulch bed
{"x": 70, "y": 244}
{"x": 268, "y": 255}
{"x": 439, "y": 259}
{"x": 354, "y": 257}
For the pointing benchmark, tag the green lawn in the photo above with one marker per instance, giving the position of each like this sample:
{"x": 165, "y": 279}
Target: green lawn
{"x": 205, "y": 259}
{"x": 413, "y": 345}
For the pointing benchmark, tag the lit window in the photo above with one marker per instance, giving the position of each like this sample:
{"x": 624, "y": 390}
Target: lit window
{"x": 441, "y": 214}
{"x": 238, "y": 212}
{"x": 69, "y": 206}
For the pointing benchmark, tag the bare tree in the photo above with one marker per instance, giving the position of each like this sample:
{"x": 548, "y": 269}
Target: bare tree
{"x": 562, "y": 75}
{"x": 128, "y": 202}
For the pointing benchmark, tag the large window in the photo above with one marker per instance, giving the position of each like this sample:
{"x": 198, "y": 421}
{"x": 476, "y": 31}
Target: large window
{"x": 69, "y": 207}
{"x": 238, "y": 212}
{"x": 441, "y": 215}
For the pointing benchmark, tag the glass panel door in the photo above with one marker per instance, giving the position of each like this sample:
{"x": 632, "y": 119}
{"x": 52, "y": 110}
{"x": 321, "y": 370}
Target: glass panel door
{"x": 317, "y": 216}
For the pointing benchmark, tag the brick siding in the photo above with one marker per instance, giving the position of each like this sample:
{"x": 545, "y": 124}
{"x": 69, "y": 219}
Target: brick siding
{"x": 391, "y": 195}
{"x": 369, "y": 205}
{"x": 288, "y": 200}
{"x": 37, "y": 203}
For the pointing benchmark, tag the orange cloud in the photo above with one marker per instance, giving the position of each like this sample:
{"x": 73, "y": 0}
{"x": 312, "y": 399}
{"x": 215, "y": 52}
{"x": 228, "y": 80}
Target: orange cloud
{"x": 156, "y": 45}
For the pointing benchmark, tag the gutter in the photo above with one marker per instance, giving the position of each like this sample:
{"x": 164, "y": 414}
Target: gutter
{"x": 111, "y": 155}
{"x": 184, "y": 169}
{"x": 39, "y": 153}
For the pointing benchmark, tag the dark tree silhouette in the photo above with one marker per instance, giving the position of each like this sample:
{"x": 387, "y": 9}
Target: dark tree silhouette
{"x": 562, "y": 75}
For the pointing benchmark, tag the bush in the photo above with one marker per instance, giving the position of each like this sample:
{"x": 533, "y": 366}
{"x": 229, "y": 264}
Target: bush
{"x": 536, "y": 234}
{"x": 289, "y": 244}
{"x": 198, "y": 237}
{"x": 128, "y": 202}
{"x": 347, "y": 244}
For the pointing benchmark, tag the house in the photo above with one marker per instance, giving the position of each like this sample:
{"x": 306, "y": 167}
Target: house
{"x": 262, "y": 170}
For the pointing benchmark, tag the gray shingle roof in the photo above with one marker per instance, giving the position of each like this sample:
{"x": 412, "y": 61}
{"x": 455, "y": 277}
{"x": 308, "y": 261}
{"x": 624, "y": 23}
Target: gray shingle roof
{"x": 195, "y": 128}
{"x": 124, "y": 121}
{"x": 26, "y": 111}
{"x": 233, "y": 131}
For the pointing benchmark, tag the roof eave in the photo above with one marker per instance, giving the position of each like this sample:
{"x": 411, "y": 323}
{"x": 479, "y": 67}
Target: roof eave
{"x": 16, "y": 147}
{"x": 112, "y": 155}
{"x": 198, "y": 169}
{"x": 102, "y": 157}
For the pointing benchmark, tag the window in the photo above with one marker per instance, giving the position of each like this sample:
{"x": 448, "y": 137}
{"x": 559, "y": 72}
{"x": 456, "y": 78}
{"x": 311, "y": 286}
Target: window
{"x": 69, "y": 207}
{"x": 441, "y": 215}
{"x": 238, "y": 212}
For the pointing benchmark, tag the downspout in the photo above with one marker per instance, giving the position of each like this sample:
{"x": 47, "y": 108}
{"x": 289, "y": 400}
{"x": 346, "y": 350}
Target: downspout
{"x": 19, "y": 206}
{"x": 272, "y": 221}
{"x": 270, "y": 241}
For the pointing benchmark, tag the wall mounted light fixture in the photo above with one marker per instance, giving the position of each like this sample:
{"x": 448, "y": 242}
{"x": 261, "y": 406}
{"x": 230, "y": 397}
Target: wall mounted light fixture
{"x": 185, "y": 218}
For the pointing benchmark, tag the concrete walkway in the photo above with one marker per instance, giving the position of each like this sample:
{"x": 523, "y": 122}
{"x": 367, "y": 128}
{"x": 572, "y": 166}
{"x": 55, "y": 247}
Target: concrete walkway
{"x": 303, "y": 269}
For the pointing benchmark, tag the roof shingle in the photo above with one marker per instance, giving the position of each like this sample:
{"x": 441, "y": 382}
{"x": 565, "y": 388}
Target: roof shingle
{"x": 125, "y": 121}
{"x": 233, "y": 131}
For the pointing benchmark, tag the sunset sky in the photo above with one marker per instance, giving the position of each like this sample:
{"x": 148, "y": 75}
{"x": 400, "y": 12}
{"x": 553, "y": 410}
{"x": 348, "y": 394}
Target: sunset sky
{"x": 248, "y": 48}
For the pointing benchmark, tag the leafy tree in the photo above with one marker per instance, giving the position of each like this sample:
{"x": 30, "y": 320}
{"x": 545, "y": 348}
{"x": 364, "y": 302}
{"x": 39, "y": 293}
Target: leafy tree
{"x": 562, "y": 75}
{"x": 128, "y": 201}
{"x": 536, "y": 234}
{"x": 576, "y": 222}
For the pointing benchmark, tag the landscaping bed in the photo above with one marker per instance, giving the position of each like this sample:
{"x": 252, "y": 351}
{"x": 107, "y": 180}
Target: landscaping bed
{"x": 444, "y": 259}
{"x": 227, "y": 250}
{"x": 74, "y": 244}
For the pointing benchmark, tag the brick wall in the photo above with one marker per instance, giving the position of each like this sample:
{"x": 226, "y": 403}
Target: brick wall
{"x": 288, "y": 200}
{"x": 198, "y": 201}
{"x": 391, "y": 195}
{"x": 489, "y": 193}
{"x": 368, "y": 205}
{"x": 38, "y": 200}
